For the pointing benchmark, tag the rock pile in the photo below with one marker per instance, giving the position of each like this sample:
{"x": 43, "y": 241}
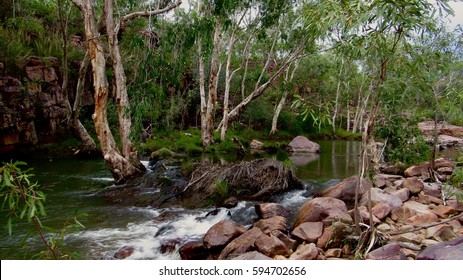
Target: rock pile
{"x": 409, "y": 214}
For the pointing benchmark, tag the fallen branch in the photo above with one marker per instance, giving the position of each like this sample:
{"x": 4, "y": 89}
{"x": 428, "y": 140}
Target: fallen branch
{"x": 424, "y": 227}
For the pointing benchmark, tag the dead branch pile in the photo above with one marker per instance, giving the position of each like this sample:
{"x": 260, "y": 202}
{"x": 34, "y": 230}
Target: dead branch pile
{"x": 256, "y": 179}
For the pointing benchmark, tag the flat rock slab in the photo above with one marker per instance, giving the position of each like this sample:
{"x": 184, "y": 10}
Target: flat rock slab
{"x": 452, "y": 250}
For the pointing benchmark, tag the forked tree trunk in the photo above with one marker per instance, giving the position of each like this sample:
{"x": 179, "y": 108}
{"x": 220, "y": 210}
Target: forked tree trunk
{"x": 121, "y": 168}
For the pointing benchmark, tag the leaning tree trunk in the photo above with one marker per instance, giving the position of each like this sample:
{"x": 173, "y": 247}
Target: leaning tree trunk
{"x": 282, "y": 102}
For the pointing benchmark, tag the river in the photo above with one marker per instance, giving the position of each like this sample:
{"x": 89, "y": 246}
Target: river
{"x": 72, "y": 185}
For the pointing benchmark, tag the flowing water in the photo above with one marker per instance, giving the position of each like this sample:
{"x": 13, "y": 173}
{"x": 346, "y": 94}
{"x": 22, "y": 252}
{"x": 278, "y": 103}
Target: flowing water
{"x": 72, "y": 185}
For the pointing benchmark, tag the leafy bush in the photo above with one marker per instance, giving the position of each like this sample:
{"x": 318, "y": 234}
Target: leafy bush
{"x": 404, "y": 141}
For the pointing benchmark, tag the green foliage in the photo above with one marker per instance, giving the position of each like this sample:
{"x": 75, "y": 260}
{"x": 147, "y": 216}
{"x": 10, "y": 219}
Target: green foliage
{"x": 23, "y": 198}
{"x": 404, "y": 141}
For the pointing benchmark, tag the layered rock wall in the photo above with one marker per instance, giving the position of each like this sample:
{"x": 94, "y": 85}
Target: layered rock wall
{"x": 32, "y": 107}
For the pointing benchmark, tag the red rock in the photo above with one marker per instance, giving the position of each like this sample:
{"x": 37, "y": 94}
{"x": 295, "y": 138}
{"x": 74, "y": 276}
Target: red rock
{"x": 413, "y": 184}
{"x": 252, "y": 255}
{"x": 222, "y": 233}
{"x": 345, "y": 190}
{"x": 443, "y": 211}
{"x": 452, "y": 250}
{"x": 387, "y": 252}
{"x": 381, "y": 210}
{"x": 124, "y": 252}
{"x": 433, "y": 189}
{"x": 193, "y": 250}
{"x": 268, "y": 210}
{"x": 308, "y": 232}
{"x": 241, "y": 244}
{"x": 436, "y": 231}
{"x": 323, "y": 209}
{"x": 301, "y": 144}
{"x": 271, "y": 224}
{"x": 455, "y": 204}
{"x": 365, "y": 216}
{"x": 378, "y": 195}
{"x": 289, "y": 242}
{"x": 305, "y": 252}
{"x": 402, "y": 194}
{"x": 421, "y": 219}
{"x": 271, "y": 246}
{"x": 428, "y": 199}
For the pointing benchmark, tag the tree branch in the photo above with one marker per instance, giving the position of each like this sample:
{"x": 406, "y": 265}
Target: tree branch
{"x": 148, "y": 13}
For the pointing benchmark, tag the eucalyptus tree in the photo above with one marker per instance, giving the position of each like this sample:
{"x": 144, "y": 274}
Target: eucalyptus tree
{"x": 433, "y": 57}
{"x": 123, "y": 162}
{"x": 372, "y": 32}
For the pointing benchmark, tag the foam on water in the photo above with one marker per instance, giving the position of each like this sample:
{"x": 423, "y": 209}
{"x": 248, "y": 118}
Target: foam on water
{"x": 147, "y": 236}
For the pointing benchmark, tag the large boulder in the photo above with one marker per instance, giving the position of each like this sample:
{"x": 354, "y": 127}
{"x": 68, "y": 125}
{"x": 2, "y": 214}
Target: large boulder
{"x": 308, "y": 232}
{"x": 379, "y": 195}
{"x": 345, "y": 190}
{"x": 323, "y": 209}
{"x": 242, "y": 244}
{"x": 222, "y": 233}
{"x": 301, "y": 144}
{"x": 452, "y": 250}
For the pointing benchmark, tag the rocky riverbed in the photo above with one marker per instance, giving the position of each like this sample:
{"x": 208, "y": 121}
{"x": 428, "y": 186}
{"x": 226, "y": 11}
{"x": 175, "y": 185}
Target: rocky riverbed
{"x": 412, "y": 218}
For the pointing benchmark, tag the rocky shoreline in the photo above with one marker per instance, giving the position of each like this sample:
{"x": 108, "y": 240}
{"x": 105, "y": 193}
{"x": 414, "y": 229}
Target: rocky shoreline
{"x": 413, "y": 219}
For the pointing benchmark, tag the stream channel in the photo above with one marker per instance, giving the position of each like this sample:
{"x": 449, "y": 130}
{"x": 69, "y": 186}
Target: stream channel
{"x": 73, "y": 185}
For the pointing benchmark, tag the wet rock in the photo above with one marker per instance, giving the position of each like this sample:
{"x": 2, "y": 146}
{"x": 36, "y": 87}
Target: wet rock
{"x": 387, "y": 252}
{"x": 271, "y": 246}
{"x": 242, "y": 244}
{"x": 253, "y": 255}
{"x": 268, "y": 210}
{"x": 379, "y": 195}
{"x": 305, "y": 252}
{"x": 222, "y": 233}
{"x": 168, "y": 246}
{"x": 345, "y": 190}
{"x": 193, "y": 250}
{"x": 452, "y": 250}
{"x": 271, "y": 224}
{"x": 323, "y": 209}
{"x": 308, "y": 232}
{"x": 381, "y": 210}
{"x": 124, "y": 252}
{"x": 165, "y": 216}
{"x": 230, "y": 202}
{"x": 301, "y": 144}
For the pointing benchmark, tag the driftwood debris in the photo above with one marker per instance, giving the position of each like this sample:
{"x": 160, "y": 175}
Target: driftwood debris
{"x": 257, "y": 179}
